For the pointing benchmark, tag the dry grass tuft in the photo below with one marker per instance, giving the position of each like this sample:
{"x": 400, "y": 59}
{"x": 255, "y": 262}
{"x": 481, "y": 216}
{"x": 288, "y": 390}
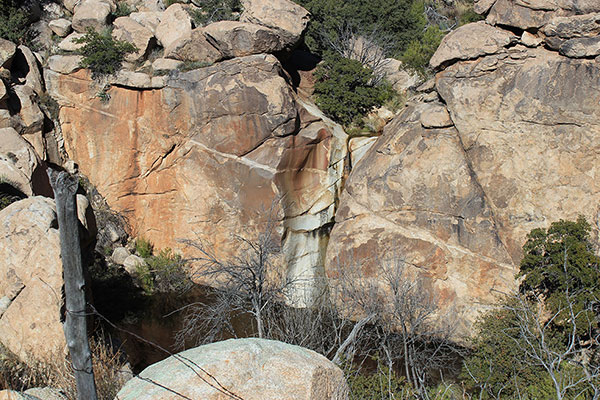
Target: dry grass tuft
{"x": 110, "y": 372}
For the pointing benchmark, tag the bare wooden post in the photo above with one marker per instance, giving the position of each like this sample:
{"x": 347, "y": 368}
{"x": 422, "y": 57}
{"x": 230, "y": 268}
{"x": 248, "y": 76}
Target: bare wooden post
{"x": 75, "y": 326}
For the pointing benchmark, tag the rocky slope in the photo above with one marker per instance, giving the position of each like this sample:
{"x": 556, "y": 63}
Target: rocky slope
{"x": 503, "y": 140}
{"x": 506, "y": 141}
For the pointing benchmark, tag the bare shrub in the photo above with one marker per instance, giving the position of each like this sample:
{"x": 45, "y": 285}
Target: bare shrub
{"x": 400, "y": 321}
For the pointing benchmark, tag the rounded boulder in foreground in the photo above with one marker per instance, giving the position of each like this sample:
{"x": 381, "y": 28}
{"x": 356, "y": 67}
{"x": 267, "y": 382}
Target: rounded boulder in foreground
{"x": 251, "y": 369}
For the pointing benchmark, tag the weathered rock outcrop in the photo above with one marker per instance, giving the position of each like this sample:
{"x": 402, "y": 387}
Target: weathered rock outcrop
{"x": 238, "y": 39}
{"x": 207, "y": 155}
{"x": 31, "y": 277}
{"x": 19, "y": 163}
{"x": 453, "y": 188}
{"x": 286, "y": 17}
{"x": 253, "y": 369}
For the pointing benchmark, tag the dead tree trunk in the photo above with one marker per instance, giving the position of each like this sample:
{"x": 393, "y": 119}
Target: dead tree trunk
{"x": 75, "y": 326}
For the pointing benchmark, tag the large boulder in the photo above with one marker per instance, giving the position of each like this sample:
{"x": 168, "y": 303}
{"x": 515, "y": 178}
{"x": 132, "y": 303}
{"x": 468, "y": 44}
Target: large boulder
{"x": 7, "y": 52}
{"x": 413, "y": 196}
{"x": 31, "y": 278}
{"x": 129, "y": 30}
{"x": 29, "y": 118}
{"x": 471, "y": 41}
{"x": 61, "y": 27}
{"x": 197, "y": 141}
{"x": 20, "y": 164}
{"x": 252, "y": 369}
{"x": 69, "y": 44}
{"x": 194, "y": 48}
{"x": 91, "y": 14}
{"x": 286, "y": 17}
{"x": 175, "y": 24}
{"x": 63, "y": 64}
{"x": 215, "y": 149}
{"x": 238, "y": 39}
{"x": 530, "y": 129}
{"x": 26, "y": 69}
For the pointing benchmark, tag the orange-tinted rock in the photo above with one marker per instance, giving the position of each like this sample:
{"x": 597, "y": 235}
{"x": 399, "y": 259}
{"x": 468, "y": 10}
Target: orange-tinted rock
{"x": 206, "y": 156}
{"x": 174, "y": 160}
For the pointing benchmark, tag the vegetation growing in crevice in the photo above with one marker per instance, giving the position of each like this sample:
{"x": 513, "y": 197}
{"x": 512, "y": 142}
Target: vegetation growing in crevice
{"x": 102, "y": 54}
{"x": 166, "y": 271}
{"x": 123, "y": 10}
{"x": 419, "y": 51}
{"x": 216, "y": 10}
{"x": 345, "y": 90}
{"x": 9, "y": 192}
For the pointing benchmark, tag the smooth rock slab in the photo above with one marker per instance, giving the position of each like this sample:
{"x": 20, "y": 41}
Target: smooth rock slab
{"x": 470, "y": 41}
{"x": 238, "y": 39}
{"x": 253, "y": 369}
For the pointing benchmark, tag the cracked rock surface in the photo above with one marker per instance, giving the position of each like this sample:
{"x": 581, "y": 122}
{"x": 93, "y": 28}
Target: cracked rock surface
{"x": 456, "y": 203}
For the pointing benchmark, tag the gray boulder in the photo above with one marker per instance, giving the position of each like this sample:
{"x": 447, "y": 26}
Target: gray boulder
{"x": 253, "y": 369}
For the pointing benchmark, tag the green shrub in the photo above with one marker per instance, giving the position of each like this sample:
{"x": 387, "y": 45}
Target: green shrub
{"x": 143, "y": 247}
{"x": 498, "y": 359}
{"x": 101, "y": 53}
{"x": 398, "y": 21}
{"x": 164, "y": 272}
{"x": 469, "y": 16}
{"x": 382, "y": 384}
{"x": 145, "y": 277}
{"x": 123, "y": 10}
{"x": 216, "y": 10}
{"x": 14, "y": 22}
{"x": 419, "y": 52}
{"x": 560, "y": 267}
{"x": 344, "y": 89}
{"x": 543, "y": 340}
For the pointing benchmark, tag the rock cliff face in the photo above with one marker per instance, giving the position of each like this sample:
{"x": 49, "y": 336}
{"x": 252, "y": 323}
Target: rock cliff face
{"x": 503, "y": 140}
{"x": 455, "y": 197}
{"x": 217, "y": 151}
